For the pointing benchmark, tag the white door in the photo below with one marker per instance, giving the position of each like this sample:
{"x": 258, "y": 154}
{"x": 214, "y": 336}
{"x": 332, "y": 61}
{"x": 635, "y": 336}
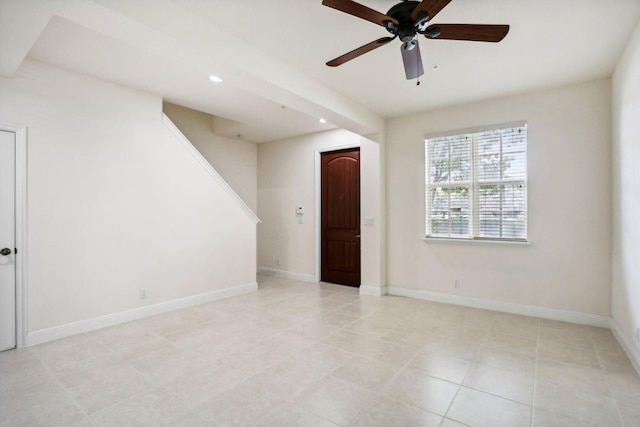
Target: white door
{"x": 7, "y": 241}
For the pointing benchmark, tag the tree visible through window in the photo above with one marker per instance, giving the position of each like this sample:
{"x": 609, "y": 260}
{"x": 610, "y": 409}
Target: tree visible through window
{"x": 476, "y": 185}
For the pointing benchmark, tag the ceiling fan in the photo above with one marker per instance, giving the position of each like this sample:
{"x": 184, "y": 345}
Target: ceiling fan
{"x": 408, "y": 19}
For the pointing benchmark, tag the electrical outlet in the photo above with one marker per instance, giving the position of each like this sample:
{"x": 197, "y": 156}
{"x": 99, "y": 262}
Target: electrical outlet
{"x": 456, "y": 283}
{"x": 143, "y": 293}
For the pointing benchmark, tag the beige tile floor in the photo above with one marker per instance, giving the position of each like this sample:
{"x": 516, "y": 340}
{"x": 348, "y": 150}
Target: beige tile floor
{"x": 300, "y": 354}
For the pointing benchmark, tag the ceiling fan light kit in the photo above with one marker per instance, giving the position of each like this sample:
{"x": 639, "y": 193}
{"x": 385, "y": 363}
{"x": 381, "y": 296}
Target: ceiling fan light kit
{"x": 407, "y": 20}
{"x": 411, "y": 59}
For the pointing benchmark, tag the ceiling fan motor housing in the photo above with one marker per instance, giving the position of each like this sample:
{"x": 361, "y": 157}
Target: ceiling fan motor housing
{"x": 406, "y": 28}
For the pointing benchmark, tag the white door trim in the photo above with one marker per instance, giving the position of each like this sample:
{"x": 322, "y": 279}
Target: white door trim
{"x": 318, "y": 213}
{"x": 21, "y": 230}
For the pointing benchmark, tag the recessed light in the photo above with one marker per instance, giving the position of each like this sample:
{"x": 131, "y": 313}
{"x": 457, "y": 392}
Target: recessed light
{"x": 215, "y": 79}
{"x": 435, "y": 68}
{"x": 323, "y": 120}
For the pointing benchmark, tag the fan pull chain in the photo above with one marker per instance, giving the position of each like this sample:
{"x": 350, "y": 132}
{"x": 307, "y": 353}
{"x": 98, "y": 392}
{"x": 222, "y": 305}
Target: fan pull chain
{"x": 417, "y": 62}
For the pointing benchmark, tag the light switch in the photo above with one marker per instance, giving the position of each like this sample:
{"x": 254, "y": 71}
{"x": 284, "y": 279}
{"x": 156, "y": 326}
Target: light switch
{"x": 368, "y": 220}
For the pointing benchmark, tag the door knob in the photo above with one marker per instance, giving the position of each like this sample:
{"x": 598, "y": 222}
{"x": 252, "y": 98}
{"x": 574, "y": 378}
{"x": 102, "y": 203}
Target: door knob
{"x": 5, "y": 251}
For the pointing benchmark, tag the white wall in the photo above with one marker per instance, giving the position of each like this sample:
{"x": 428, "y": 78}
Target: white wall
{"x": 626, "y": 196}
{"x": 373, "y": 261}
{"x": 235, "y": 160}
{"x": 286, "y": 177}
{"x": 567, "y": 264}
{"x": 115, "y": 203}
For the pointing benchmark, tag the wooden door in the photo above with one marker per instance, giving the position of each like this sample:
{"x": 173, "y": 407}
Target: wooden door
{"x": 340, "y": 231}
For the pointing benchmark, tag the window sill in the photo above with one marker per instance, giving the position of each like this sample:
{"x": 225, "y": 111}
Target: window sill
{"x": 477, "y": 241}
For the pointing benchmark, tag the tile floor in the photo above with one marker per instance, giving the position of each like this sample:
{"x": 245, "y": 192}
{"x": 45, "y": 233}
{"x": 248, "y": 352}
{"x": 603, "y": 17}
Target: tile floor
{"x": 300, "y": 354}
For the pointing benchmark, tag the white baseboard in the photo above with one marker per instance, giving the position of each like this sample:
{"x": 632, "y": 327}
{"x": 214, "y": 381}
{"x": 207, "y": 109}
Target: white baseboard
{"x": 62, "y": 331}
{"x": 287, "y": 275}
{"x": 631, "y": 351}
{"x": 505, "y": 307}
{"x": 375, "y": 291}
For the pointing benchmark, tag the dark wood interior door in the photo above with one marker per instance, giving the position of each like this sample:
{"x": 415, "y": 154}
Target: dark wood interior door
{"x": 340, "y": 231}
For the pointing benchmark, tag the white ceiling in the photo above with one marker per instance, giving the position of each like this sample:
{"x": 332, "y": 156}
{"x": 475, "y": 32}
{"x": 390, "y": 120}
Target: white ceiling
{"x": 271, "y": 55}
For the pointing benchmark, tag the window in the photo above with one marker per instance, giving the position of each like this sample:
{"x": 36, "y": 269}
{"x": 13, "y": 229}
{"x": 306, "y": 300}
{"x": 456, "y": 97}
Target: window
{"x": 476, "y": 184}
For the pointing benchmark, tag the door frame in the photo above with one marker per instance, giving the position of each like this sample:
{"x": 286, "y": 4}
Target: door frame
{"x": 20, "y": 229}
{"x": 318, "y": 209}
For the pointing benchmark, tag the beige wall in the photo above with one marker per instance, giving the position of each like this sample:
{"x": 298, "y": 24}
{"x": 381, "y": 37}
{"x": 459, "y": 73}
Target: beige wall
{"x": 116, "y": 203}
{"x": 372, "y": 199}
{"x": 287, "y": 177}
{"x": 567, "y": 264}
{"x": 626, "y": 196}
{"x": 235, "y": 160}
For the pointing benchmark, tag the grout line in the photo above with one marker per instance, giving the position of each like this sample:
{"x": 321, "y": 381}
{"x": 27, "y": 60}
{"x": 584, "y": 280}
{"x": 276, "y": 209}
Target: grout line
{"x": 473, "y": 363}
{"x": 535, "y": 374}
{"x": 66, "y": 390}
{"x": 606, "y": 378}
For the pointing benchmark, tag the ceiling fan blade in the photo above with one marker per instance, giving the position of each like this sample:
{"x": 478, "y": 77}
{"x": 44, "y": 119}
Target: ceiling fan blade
{"x": 359, "y": 51}
{"x": 360, "y": 11}
{"x": 470, "y": 32}
{"x": 428, "y": 7}
{"x": 412, "y": 59}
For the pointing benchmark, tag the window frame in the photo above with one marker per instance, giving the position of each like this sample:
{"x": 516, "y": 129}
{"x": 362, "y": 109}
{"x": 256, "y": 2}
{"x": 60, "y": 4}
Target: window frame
{"x": 473, "y": 184}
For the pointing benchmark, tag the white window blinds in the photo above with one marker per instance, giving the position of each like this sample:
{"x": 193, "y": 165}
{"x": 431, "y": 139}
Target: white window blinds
{"x": 476, "y": 185}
